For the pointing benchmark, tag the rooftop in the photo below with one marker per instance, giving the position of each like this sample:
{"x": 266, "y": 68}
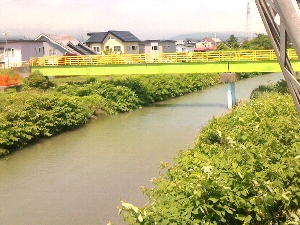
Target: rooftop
{"x": 99, "y": 37}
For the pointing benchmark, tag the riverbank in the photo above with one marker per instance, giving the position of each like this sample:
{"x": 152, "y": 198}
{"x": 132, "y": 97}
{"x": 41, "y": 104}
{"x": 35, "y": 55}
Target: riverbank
{"x": 244, "y": 169}
{"x": 43, "y": 110}
{"x": 85, "y": 172}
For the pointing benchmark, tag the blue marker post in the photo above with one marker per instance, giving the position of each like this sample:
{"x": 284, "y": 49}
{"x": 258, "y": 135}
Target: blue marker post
{"x": 230, "y": 79}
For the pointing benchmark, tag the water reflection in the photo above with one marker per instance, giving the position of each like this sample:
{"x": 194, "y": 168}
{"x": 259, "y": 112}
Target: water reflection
{"x": 196, "y": 105}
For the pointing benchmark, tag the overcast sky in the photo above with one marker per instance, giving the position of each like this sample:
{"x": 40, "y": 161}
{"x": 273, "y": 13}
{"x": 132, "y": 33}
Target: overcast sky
{"x": 146, "y": 19}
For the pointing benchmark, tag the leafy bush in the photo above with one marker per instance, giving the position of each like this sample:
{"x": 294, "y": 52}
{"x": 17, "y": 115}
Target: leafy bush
{"x": 37, "y": 80}
{"x": 33, "y": 115}
{"x": 10, "y": 72}
{"x": 280, "y": 87}
{"x": 249, "y": 75}
{"x": 125, "y": 94}
{"x": 244, "y": 169}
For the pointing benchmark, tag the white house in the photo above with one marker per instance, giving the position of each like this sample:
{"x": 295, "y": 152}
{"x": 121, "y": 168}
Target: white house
{"x": 159, "y": 46}
{"x": 17, "y": 52}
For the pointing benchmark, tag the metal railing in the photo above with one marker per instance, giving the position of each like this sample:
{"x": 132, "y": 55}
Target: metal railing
{"x": 178, "y": 57}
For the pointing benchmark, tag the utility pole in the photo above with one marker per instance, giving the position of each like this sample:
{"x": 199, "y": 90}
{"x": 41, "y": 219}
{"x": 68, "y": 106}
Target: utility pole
{"x": 6, "y": 49}
{"x": 248, "y": 22}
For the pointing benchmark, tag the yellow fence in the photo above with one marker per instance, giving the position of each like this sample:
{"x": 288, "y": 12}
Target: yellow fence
{"x": 215, "y": 56}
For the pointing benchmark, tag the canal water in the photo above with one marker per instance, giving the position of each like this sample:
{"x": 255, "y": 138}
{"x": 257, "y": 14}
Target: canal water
{"x": 79, "y": 177}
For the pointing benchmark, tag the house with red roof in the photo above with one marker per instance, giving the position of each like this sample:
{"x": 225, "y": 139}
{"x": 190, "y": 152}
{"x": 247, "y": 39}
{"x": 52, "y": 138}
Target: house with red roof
{"x": 209, "y": 44}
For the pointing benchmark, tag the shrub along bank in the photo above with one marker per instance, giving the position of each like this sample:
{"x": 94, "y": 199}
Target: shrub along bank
{"x": 244, "y": 169}
{"x": 44, "y": 109}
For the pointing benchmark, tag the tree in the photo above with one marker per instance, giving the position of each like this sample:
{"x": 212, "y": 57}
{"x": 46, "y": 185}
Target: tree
{"x": 232, "y": 42}
{"x": 222, "y": 47}
{"x": 246, "y": 44}
{"x": 260, "y": 42}
{"x": 37, "y": 80}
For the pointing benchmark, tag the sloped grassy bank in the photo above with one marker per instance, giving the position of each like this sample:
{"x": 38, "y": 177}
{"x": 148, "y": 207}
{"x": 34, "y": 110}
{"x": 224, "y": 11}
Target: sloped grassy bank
{"x": 44, "y": 109}
{"x": 244, "y": 169}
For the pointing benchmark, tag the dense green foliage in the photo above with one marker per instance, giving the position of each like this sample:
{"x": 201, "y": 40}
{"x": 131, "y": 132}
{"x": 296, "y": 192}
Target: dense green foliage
{"x": 43, "y": 111}
{"x": 244, "y": 169}
{"x": 125, "y": 94}
{"x": 280, "y": 86}
{"x": 37, "y": 80}
{"x": 260, "y": 42}
{"x": 232, "y": 42}
{"x": 31, "y": 115}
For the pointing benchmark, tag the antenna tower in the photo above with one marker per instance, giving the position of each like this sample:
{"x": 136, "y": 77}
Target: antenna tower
{"x": 248, "y": 24}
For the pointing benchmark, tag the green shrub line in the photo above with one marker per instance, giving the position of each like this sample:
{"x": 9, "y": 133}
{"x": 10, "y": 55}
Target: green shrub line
{"x": 243, "y": 169}
{"x": 45, "y": 108}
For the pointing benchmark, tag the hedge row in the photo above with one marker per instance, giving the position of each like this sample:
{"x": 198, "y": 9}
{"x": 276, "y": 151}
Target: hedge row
{"x": 33, "y": 114}
{"x": 123, "y": 95}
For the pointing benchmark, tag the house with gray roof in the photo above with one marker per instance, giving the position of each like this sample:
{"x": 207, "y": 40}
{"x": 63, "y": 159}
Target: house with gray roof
{"x": 114, "y": 41}
{"x": 159, "y": 46}
{"x": 59, "y": 45}
{"x": 16, "y": 52}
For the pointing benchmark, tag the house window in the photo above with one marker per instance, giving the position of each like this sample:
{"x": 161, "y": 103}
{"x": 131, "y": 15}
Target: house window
{"x": 167, "y": 47}
{"x": 128, "y": 48}
{"x": 111, "y": 37}
{"x": 1, "y": 51}
{"x": 52, "y": 51}
{"x": 38, "y": 50}
{"x": 154, "y": 47}
{"x": 134, "y": 47}
{"x": 117, "y": 48}
{"x": 10, "y": 52}
{"x": 97, "y": 48}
